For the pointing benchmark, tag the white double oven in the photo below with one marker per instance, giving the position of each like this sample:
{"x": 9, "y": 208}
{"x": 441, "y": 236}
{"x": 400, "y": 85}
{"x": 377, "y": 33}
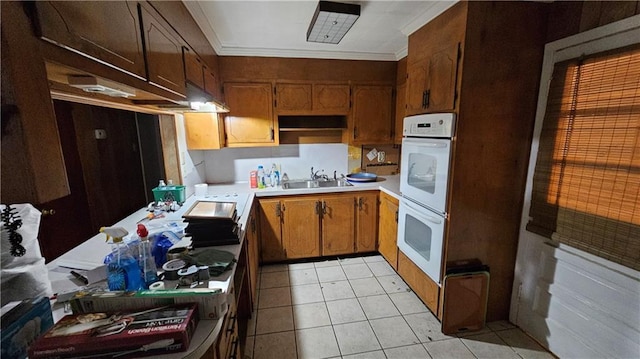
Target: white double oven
{"x": 424, "y": 178}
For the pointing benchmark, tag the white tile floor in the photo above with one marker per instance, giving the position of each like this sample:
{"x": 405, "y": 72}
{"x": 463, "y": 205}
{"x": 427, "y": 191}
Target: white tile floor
{"x": 360, "y": 308}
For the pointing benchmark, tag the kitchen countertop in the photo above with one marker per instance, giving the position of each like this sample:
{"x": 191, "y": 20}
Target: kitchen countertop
{"x": 91, "y": 253}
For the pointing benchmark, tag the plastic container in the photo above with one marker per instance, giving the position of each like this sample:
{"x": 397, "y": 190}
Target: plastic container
{"x": 174, "y": 193}
{"x": 253, "y": 179}
{"x": 145, "y": 260}
{"x": 261, "y": 181}
{"x": 275, "y": 175}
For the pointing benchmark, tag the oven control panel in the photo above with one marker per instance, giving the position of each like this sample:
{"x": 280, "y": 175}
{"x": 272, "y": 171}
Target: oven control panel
{"x": 430, "y": 125}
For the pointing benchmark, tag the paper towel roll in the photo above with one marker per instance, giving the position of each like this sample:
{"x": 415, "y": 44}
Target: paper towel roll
{"x": 201, "y": 190}
{"x": 157, "y": 286}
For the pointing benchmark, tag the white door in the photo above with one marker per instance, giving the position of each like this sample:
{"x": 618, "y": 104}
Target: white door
{"x": 576, "y": 304}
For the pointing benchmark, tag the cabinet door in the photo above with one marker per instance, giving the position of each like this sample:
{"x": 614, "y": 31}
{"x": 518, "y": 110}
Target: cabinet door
{"x": 443, "y": 69}
{"x": 372, "y": 116}
{"x": 367, "y": 222}
{"x": 331, "y": 99}
{"x": 204, "y": 131}
{"x": 193, "y": 68}
{"x": 293, "y": 98}
{"x": 400, "y": 113}
{"x": 212, "y": 84}
{"x": 388, "y": 229}
{"x": 163, "y": 49}
{"x": 114, "y": 39}
{"x": 270, "y": 230}
{"x": 253, "y": 250}
{"x": 250, "y": 120}
{"x": 416, "y": 87}
{"x": 338, "y": 225}
{"x": 301, "y": 227}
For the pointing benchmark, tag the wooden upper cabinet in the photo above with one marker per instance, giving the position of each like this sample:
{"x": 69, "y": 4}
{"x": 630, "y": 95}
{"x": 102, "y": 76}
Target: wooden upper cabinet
{"x": 401, "y": 91}
{"x": 84, "y": 27}
{"x": 163, "y": 49}
{"x": 366, "y": 222}
{"x": 204, "y": 130}
{"x": 212, "y": 84}
{"x": 312, "y": 99}
{"x": 432, "y": 82}
{"x": 250, "y": 121}
{"x": 193, "y": 68}
{"x": 331, "y": 99}
{"x": 293, "y": 98}
{"x": 371, "y": 120}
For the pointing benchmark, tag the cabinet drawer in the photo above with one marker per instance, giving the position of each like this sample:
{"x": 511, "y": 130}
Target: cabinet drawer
{"x": 229, "y": 327}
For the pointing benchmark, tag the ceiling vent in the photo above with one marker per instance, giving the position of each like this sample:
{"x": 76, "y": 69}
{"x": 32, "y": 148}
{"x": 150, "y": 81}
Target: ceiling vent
{"x": 331, "y": 21}
{"x": 100, "y": 86}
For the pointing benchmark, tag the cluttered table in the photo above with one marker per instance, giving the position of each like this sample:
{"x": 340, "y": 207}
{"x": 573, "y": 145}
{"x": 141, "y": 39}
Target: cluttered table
{"x": 89, "y": 256}
{"x": 86, "y": 260}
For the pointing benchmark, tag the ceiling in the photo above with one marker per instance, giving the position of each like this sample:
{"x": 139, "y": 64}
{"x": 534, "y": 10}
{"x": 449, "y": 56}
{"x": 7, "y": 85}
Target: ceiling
{"x": 279, "y": 28}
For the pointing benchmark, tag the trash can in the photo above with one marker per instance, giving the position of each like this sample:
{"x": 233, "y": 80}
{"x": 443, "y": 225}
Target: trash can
{"x": 466, "y": 288}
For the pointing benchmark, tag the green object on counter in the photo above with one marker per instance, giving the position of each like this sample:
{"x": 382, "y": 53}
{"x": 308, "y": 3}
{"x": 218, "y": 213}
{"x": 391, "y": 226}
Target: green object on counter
{"x": 218, "y": 261}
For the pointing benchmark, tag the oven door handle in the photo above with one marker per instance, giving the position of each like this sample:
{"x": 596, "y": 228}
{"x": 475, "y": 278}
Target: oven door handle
{"x": 420, "y": 212}
{"x": 433, "y": 145}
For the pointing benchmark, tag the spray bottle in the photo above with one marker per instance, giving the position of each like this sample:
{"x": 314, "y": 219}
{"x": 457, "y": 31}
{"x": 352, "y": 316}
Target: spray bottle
{"x": 123, "y": 271}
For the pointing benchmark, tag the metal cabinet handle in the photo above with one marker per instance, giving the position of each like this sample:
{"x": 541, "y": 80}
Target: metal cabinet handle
{"x": 234, "y": 348}
{"x": 324, "y": 207}
{"x": 426, "y": 98}
{"x": 397, "y": 216}
{"x": 232, "y": 324}
{"x": 318, "y": 207}
{"x": 48, "y": 212}
{"x": 253, "y": 225}
{"x": 360, "y": 203}
{"x": 278, "y": 210}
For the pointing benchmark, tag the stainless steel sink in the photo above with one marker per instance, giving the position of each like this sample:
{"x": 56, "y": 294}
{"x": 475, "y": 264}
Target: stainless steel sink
{"x": 300, "y": 184}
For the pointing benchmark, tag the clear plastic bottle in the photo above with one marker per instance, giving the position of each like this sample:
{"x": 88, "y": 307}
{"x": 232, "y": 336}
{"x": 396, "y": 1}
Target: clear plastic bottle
{"x": 261, "y": 181}
{"x": 146, "y": 261}
{"x": 275, "y": 175}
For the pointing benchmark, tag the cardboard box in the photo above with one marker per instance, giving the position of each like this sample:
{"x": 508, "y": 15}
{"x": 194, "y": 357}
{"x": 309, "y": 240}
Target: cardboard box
{"x": 23, "y": 324}
{"x": 124, "y": 334}
{"x": 212, "y": 302}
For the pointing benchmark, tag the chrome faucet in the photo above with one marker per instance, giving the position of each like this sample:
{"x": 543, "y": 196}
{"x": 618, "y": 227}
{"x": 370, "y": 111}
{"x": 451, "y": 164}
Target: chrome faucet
{"x": 315, "y": 175}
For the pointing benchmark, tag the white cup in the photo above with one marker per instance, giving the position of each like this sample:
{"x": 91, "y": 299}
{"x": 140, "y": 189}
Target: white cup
{"x": 201, "y": 190}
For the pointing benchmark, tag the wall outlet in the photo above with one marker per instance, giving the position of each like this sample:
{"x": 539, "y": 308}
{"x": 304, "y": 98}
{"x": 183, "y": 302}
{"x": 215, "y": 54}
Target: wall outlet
{"x": 100, "y": 134}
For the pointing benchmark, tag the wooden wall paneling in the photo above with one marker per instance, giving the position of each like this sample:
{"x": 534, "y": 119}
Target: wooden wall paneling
{"x": 33, "y": 168}
{"x": 249, "y": 68}
{"x": 170, "y": 150}
{"x": 493, "y": 136}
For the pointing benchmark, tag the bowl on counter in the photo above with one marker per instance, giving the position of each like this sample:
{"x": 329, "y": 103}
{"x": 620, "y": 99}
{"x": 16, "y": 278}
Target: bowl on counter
{"x": 362, "y": 177}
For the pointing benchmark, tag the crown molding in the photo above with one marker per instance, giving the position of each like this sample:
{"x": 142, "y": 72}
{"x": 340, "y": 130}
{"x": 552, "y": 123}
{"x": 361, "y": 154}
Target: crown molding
{"x": 436, "y": 8}
{"x": 316, "y": 54}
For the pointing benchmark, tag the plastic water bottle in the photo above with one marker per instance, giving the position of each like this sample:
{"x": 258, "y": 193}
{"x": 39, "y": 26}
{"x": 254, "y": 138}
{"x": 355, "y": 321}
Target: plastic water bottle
{"x": 261, "y": 181}
{"x": 275, "y": 176}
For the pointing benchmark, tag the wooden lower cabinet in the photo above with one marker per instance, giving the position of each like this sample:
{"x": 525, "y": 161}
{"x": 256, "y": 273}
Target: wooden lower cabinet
{"x": 300, "y": 228}
{"x": 388, "y": 229}
{"x": 338, "y": 225}
{"x": 426, "y": 289}
{"x": 253, "y": 249}
{"x": 366, "y": 222}
{"x": 309, "y": 226}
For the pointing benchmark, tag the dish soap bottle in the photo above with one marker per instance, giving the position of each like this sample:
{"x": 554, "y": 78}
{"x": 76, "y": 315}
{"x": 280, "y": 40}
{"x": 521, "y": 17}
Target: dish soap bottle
{"x": 146, "y": 261}
{"x": 123, "y": 271}
{"x": 275, "y": 175}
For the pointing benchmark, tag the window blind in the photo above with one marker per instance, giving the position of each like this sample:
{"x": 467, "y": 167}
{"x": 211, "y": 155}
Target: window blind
{"x": 586, "y": 184}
